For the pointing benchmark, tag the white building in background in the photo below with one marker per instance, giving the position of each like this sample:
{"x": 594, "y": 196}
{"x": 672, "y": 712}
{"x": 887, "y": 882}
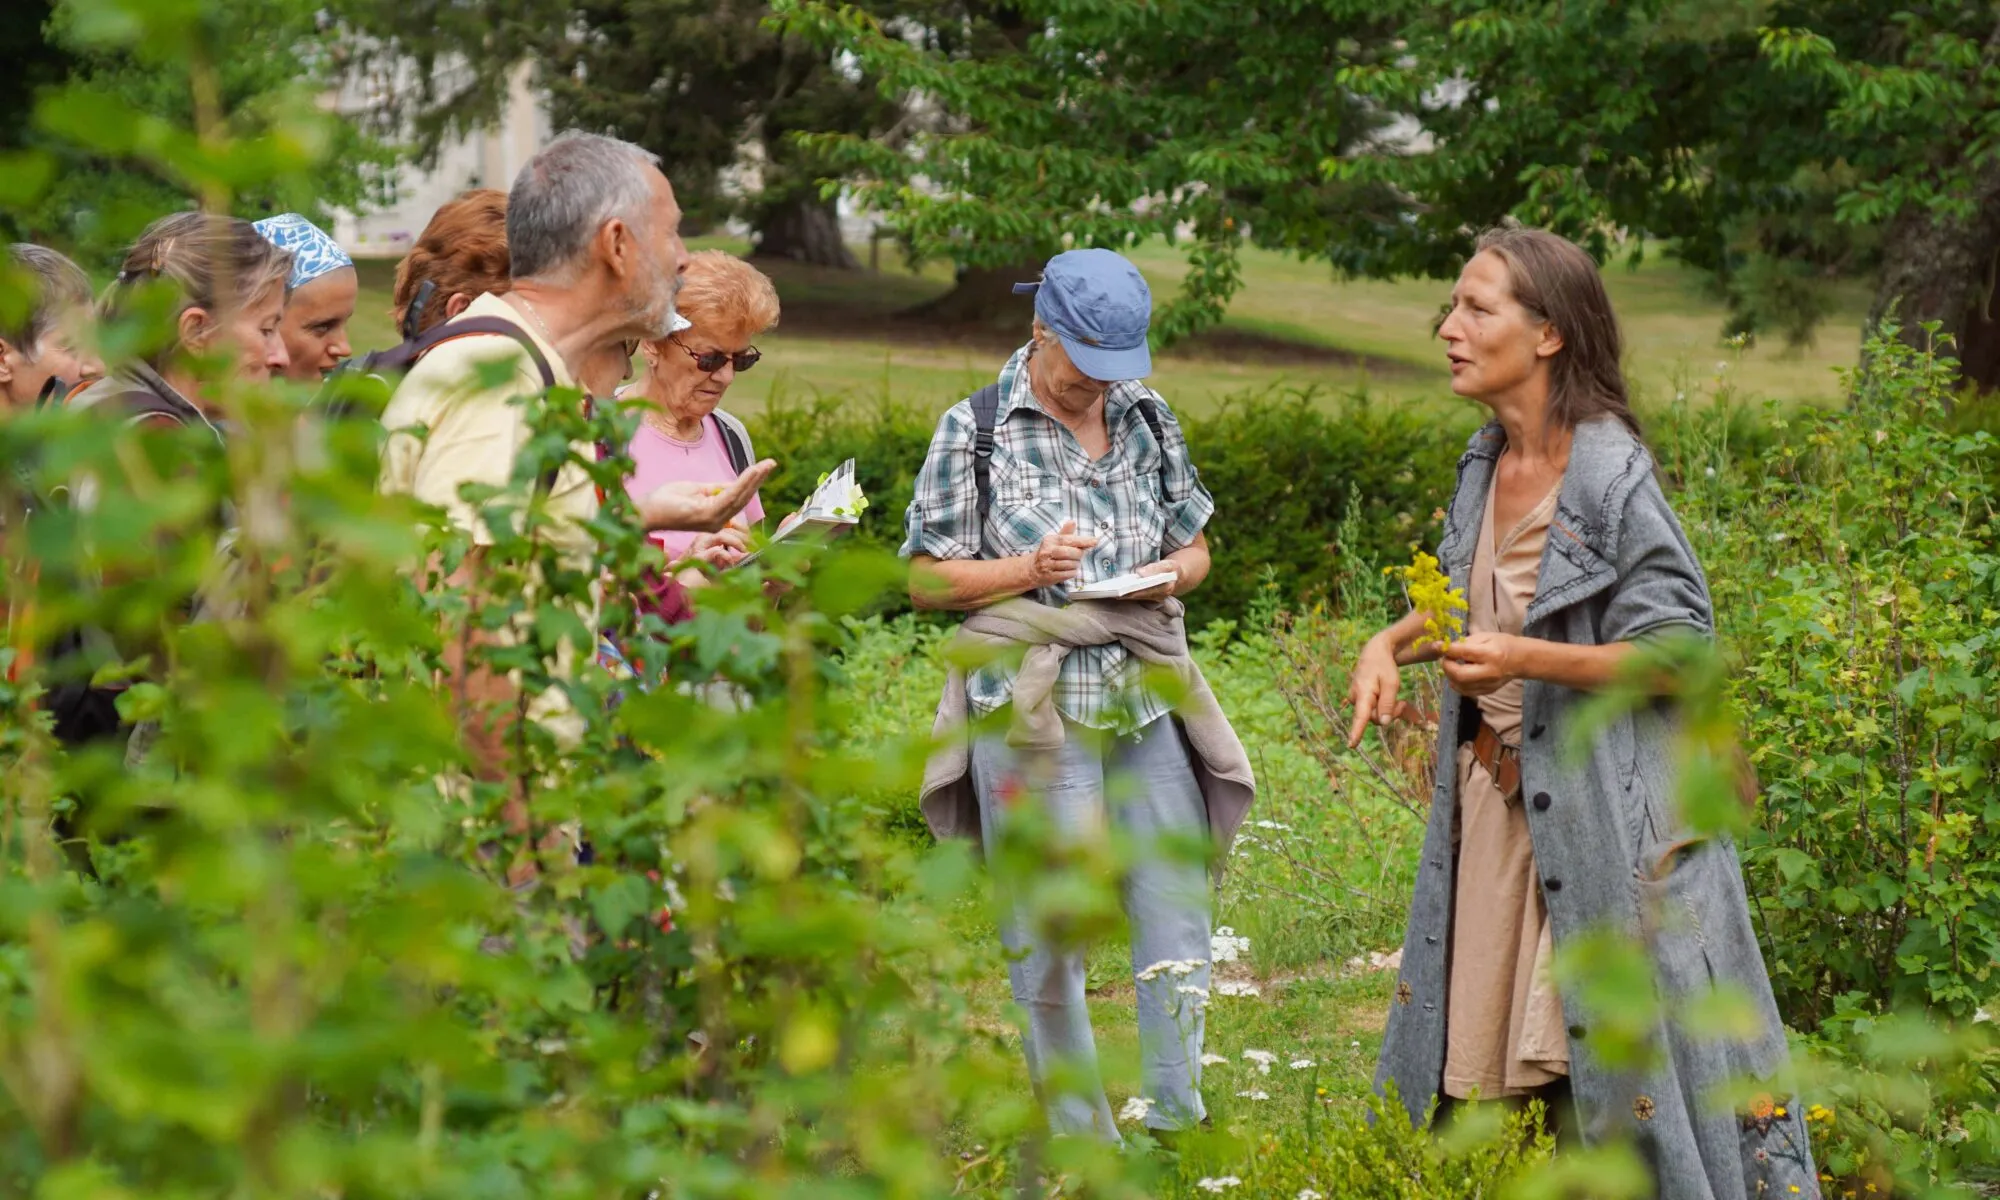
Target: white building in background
{"x": 490, "y": 158}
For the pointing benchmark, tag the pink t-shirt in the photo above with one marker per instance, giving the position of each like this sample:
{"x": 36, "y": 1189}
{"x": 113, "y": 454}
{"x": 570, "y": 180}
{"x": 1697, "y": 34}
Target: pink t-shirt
{"x": 661, "y": 459}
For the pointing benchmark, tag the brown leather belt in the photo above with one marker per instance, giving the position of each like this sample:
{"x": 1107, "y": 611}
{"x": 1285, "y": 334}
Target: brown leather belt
{"x": 1502, "y": 762}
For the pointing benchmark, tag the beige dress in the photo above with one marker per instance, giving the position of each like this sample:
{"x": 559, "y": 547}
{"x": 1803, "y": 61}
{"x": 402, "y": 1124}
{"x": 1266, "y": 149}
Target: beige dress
{"x": 1504, "y": 1030}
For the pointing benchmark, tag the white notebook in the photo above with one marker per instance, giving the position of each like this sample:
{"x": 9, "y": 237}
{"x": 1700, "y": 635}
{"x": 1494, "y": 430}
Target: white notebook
{"x": 1117, "y": 587}
{"x": 837, "y": 503}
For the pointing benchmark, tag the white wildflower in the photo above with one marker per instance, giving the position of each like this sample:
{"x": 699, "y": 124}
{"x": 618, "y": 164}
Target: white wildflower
{"x": 1280, "y": 826}
{"x": 1710, "y": 472}
{"x": 1308, "y": 1194}
{"x": 1263, "y": 1059}
{"x": 1303, "y": 1064}
{"x": 1214, "y": 1060}
{"x": 1179, "y": 968}
{"x": 1355, "y": 1042}
{"x": 1219, "y": 1183}
{"x": 1677, "y": 396}
{"x": 1136, "y": 1109}
{"x": 1256, "y": 1095}
{"x": 1980, "y": 1016}
{"x": 1198, "y": 995}
{"x": 1237, "y": 987}
{"x": 1779, "y": 537}
{"x": 1881, "y": 435}
{"x": 1225, "y": 947}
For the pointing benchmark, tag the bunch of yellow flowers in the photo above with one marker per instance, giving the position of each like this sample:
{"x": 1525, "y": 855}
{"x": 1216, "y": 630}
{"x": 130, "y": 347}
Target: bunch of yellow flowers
{"x": 1431, "y": 591}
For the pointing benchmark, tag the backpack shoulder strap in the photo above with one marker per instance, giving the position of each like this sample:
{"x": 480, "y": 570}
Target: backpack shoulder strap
{"x": 732, "y": 443}
{"x": 1150, "y": 409}
{"x": 985, "y": 415}
{"x": 407, "y": 355}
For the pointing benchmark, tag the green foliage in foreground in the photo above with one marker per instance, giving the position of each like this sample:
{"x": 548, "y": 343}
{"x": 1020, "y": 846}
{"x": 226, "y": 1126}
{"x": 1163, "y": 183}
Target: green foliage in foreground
{"x": 123, "y": 141}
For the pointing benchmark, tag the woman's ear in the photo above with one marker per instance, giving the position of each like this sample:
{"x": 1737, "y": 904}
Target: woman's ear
{"x": 1551, "y": 343}
{"x": 7, "y": 356}
{"x": 650, "y": 351}
{"x": 194, "y": 328}
{"x": 456, "y": 304}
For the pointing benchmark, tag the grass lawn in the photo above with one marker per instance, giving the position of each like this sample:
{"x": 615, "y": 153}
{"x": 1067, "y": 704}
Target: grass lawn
{"x": 1293, "y": 325}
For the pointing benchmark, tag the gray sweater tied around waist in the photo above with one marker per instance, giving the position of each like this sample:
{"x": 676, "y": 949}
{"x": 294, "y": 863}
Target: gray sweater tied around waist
{"x": 1155, "y": 632}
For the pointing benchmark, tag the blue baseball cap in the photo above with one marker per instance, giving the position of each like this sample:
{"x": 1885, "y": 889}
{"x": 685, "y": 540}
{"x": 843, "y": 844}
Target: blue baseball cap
{"x": 1099, "y": 305}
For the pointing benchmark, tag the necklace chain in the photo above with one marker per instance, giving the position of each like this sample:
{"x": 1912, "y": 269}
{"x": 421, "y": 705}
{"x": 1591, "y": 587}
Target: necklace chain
{"x": 539, "y": 323}
{"x": 663, "y": 423}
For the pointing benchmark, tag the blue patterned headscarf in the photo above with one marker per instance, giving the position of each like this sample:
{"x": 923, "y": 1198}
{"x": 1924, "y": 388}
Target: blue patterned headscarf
{"x": 313, "y": 253}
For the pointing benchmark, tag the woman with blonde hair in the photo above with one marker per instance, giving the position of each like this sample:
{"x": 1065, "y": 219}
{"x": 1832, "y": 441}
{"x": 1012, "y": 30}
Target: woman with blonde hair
{"x": 228, "y": 302}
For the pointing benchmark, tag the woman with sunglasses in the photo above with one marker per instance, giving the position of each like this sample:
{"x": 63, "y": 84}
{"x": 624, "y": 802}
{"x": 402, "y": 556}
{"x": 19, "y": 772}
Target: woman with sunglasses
{"x": 684, "y": 436}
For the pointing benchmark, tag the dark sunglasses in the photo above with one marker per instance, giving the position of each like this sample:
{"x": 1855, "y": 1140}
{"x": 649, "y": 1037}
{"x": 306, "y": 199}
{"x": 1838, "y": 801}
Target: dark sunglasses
{"x": 709, "y": 362}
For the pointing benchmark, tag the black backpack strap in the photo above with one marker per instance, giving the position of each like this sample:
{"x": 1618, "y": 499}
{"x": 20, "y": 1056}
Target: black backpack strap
{"x": 405, "y": 356}
{"x": 985, "y": 415}
{"x": 1149, "y": 410}
{"x": 732, "y": 443}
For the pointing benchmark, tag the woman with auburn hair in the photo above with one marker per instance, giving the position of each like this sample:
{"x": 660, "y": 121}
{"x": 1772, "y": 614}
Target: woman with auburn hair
{"x": 684, "y": 435}
{"x": 462, "y": 253}
{"x": 1571, "y": 558}
{"x": 229, "y": 284}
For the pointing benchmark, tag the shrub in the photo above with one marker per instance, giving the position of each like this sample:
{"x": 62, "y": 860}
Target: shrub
{"x": 1284, "y": 466}
{"x": 1856, "y": 572}
{"x": 1372, "y": 1152}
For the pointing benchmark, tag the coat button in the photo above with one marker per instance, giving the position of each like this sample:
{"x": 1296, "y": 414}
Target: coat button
{"x": 1553, "y": 885}
{"x": 1537, "y": 731}
{"x": 1541, "y": 802}
{"x": 1576, "y": 1031}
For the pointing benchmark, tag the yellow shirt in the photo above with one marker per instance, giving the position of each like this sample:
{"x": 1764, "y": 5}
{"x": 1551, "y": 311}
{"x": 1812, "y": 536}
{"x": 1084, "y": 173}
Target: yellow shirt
{"x": 476, "y": 430}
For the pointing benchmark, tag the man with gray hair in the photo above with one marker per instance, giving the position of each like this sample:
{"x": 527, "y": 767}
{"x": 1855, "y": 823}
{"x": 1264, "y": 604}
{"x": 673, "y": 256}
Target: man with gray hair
{"x": 593, "y": 232}
{"x": 44, "y": 346}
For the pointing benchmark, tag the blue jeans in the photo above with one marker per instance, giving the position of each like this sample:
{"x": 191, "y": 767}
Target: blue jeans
{"x": 1166, "y": 900}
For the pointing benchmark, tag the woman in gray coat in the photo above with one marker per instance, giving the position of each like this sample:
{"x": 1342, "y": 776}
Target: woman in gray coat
{"x": 1565, "y": 547}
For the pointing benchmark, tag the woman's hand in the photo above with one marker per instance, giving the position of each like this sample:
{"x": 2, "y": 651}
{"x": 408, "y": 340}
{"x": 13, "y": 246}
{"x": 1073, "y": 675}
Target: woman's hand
{"x": 718, "y": 551}
{"x": 722, "y": 549}
{"x": 1372, "y": 689}
{"x": 1058, "y": 558}
{"x": 1482, "y": 664}
{"x": 1171, "y": 581}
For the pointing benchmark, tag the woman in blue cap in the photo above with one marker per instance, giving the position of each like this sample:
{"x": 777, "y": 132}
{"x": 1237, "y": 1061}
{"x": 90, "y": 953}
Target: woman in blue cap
{"x": 320, "y": 296}
{"x": 1069, "y": 471}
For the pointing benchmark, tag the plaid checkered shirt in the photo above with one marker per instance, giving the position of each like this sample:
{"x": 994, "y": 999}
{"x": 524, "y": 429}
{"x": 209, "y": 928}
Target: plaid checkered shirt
{"x": 1040, "y": 478}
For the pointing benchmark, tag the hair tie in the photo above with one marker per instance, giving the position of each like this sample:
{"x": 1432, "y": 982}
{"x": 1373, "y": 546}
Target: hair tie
{"x": 160, "y": 252}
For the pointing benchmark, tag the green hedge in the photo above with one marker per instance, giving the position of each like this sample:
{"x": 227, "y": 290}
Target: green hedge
{"x": 1283, "y": 466}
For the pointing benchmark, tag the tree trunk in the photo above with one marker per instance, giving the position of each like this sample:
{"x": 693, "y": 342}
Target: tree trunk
{"x": 985, "y": 296}
{"x": 804, "y": 228}
{"x": 1944, "y": 270}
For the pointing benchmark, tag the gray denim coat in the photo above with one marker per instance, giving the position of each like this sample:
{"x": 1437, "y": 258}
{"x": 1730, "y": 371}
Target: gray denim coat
{"x": 1617, "y": 567}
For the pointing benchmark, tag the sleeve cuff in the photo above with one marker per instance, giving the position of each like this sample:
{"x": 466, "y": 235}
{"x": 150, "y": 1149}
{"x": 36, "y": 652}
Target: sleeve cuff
{"x": 1185, "y": 521}
{"x": 933, "y": 544}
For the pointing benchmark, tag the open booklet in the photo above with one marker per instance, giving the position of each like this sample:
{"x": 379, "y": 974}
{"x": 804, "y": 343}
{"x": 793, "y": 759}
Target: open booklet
{"x": 836, "y": 504}
{"x": 1117, "y": 587}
